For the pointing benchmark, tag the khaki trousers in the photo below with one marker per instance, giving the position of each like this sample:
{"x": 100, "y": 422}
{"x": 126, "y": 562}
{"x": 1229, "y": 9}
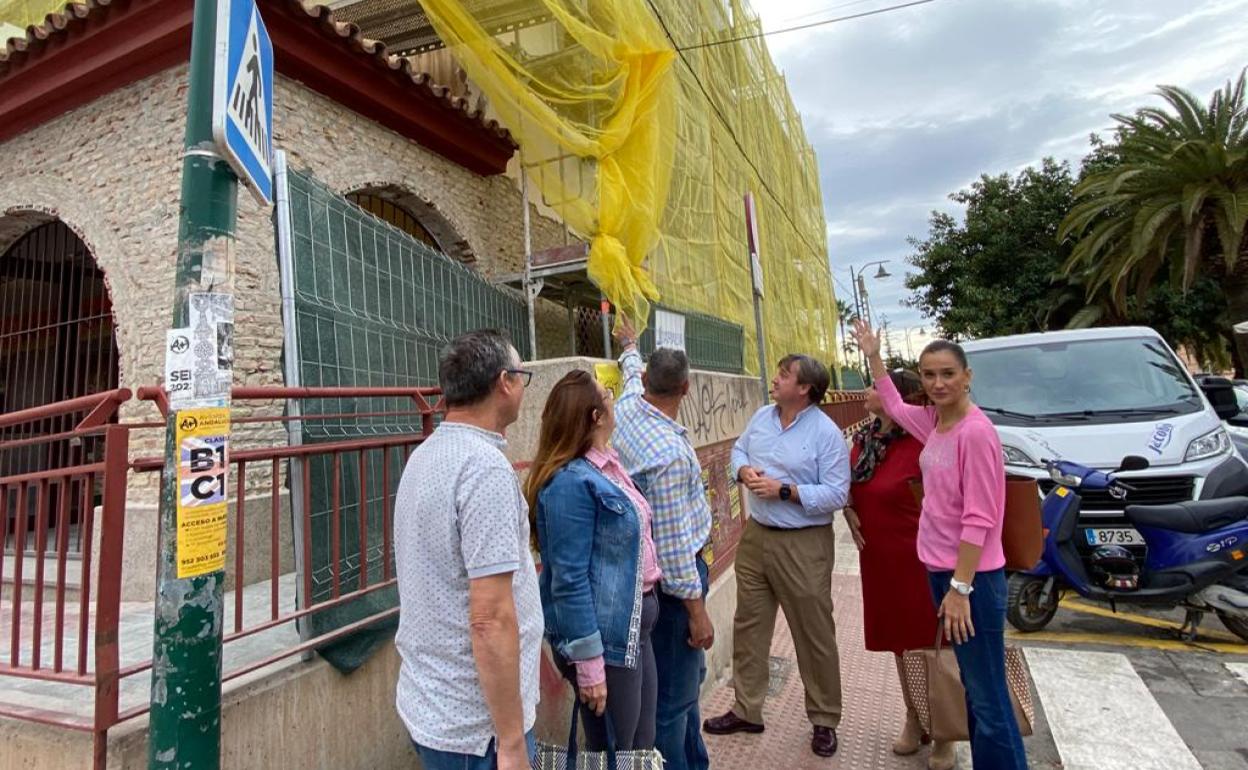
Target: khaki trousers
{"x": 791, "y": 570}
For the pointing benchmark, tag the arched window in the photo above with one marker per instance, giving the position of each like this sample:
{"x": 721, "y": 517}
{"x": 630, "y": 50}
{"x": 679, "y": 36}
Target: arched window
{"x": 416, "y": 216}
{"x": 388, "y": 211}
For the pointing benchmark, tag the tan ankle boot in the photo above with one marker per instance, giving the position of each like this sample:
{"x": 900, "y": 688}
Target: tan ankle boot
{"x": 912, "y": 736}
{"x": 943, "y": 756}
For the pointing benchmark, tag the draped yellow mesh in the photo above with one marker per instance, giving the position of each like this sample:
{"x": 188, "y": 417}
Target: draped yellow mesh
{"x": 17, "y": 15}
{"x": 645, "y": 140}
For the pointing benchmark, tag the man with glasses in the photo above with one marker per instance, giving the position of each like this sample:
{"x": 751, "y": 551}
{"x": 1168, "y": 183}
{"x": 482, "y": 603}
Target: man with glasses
{"x": 470, "y": 622}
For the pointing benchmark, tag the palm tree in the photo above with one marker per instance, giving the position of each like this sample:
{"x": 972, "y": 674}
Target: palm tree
{"x": 1175, "y": 203}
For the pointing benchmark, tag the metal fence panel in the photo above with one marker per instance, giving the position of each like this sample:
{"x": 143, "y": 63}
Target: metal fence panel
{"x": 711, "y": 343}
{"x": 371, "y": 306}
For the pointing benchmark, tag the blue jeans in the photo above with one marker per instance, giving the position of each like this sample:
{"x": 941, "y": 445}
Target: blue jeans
{"x": 432, "y": 759}
{"x": 681, "y": 669}
{"x": 996, "y": 743}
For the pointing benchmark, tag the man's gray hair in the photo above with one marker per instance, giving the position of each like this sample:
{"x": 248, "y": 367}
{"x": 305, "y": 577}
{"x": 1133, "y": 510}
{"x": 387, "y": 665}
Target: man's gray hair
{"x": 809, "y": 372}
{"x": 470, "y": 366}
{"x": 667, "y": 372}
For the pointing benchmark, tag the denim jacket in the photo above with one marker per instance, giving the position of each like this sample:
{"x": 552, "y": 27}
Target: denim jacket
{"x": 589, "y": 535}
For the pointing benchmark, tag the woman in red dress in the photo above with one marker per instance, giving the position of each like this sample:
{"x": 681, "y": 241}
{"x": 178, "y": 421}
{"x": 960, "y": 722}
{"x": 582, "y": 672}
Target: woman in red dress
{"x": 883, "y": 517}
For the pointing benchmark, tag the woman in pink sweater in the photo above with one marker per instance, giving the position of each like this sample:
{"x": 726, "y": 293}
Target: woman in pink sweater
{"x": 960, "y": 535}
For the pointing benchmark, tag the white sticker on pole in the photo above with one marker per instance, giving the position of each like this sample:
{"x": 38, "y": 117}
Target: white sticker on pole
{"x": 179, "y": 364}
{"x": 669, "y": 330}
{"x": 212, "y": 345}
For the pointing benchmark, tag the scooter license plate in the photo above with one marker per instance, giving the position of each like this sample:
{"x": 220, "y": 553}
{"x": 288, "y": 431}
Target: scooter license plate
{"x": 1113, "y": 536}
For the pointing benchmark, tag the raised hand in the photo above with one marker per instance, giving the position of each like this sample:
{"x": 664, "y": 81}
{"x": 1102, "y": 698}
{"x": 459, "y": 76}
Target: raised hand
{"x": 624, "y": 332}
{"x": 867, "y": 339}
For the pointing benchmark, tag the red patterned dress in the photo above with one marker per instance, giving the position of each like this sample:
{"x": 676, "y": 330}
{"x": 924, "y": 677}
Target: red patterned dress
{"x": 897, "y": 609}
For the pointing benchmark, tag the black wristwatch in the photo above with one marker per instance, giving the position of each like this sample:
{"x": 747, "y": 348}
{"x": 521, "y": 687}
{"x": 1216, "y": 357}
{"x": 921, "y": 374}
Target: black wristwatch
{"x": 786, "y": 491}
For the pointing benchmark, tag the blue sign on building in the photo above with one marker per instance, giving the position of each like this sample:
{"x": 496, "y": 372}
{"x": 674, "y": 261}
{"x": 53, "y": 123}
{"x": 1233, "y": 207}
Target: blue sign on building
{"x": 242, "y": 109}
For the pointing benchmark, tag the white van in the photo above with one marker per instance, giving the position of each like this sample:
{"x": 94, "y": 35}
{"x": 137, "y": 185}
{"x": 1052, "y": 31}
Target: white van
{"x": 1095, "y": 396}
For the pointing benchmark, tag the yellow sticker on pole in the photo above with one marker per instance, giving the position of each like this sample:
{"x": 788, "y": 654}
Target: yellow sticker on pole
{"x": 203, "y": 465}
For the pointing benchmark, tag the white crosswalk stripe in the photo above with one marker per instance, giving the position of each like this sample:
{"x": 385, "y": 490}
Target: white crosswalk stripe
{"x": 1102, "y": 714}
{"x": 1239, "y": 669}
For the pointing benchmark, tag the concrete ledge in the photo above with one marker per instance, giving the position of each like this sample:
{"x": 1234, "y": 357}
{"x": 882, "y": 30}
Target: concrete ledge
{"x": 303, "y": 715}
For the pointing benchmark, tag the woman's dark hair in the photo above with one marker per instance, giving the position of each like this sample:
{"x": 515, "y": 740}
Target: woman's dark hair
{"x": 945, "y": 346}
{"x": 909, "y": 385}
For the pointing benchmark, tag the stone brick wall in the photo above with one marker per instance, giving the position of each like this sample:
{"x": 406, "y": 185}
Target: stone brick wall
{"x": 111, "y": 171}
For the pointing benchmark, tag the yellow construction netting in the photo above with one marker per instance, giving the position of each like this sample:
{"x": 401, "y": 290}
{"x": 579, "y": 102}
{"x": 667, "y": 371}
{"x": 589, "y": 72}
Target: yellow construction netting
{"x": 17, "y": 15}
{"x": 645, "y": 140}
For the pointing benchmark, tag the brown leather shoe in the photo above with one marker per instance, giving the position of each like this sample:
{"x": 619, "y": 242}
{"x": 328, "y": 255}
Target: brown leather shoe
{"x": 728, "y": 724}
{"x": 824, "y": 741}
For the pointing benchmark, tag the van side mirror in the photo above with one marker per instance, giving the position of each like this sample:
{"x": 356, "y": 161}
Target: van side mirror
{"x": 1134, "y": 463}
{"x": 1221, "y": 394}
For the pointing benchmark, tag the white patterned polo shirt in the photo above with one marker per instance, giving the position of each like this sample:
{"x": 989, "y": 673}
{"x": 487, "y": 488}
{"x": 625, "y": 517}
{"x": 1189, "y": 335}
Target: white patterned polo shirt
{"x": 459, "y": 515}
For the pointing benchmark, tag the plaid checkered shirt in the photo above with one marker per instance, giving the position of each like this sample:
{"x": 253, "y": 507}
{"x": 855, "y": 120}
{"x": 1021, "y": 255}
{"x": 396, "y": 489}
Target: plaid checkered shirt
{"x": 659, "y": 456}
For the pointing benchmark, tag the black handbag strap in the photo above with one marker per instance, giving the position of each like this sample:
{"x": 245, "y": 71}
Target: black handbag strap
{"x": 572, "y": 734}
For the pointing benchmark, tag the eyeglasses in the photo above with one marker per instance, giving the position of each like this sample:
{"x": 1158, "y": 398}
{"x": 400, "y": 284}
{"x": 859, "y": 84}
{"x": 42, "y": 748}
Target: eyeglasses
{"x": 524, "y": 374}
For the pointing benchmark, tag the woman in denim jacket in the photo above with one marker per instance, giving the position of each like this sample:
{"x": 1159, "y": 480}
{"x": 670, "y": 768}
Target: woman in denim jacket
{"x": 599, "y": 567}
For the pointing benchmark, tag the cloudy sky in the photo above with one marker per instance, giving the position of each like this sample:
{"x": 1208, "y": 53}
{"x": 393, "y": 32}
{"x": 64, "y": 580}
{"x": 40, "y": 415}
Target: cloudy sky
{"x": 906, "y": 107}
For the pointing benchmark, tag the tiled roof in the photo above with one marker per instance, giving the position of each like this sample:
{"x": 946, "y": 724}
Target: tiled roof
{"x": 371, "y": 52}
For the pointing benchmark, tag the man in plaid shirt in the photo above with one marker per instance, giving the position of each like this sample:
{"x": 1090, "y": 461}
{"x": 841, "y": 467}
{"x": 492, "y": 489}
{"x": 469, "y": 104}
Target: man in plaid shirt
{"x": 655, "y": 449}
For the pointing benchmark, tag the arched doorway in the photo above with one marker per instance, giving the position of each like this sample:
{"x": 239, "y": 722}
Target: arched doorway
{"x": 57, "y": 342}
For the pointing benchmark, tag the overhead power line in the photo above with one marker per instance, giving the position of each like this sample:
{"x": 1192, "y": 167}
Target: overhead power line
{"x": 812, "y": 25}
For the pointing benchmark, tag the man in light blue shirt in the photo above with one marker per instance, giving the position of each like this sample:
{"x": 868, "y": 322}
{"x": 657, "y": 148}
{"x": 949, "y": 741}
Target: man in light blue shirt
{"x": 794, "y": 461}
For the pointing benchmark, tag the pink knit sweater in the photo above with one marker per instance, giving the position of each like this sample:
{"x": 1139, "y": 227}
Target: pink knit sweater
{"x": 963, "y": 482}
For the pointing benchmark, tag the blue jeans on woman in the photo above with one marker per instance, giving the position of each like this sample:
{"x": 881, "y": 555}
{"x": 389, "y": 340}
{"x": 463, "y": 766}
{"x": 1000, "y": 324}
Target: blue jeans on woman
{"x": 996, "y": 743}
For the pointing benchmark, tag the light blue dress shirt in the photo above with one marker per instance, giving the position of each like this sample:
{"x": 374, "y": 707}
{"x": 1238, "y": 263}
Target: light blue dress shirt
{"x": 811, "y": 454}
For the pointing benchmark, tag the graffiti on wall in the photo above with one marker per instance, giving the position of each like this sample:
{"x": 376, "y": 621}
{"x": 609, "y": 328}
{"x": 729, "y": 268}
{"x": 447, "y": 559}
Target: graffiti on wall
{"x": 727, "y": 511}
{"x": 717, "y": 408}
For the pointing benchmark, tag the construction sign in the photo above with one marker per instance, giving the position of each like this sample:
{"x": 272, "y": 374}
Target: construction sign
{"x": 203, "y": 464}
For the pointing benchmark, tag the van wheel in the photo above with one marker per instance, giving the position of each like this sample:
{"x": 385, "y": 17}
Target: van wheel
{"x": 1023, "y": 608}
{"x": 1237, "y": 626}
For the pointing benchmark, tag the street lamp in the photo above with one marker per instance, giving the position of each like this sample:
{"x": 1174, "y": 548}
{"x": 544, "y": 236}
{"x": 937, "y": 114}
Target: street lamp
{"x": 860, "y": 298}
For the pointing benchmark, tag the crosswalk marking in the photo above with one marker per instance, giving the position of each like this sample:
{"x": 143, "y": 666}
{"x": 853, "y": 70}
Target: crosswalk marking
{"x": 1089, "y": 697}
{"x": 1239, "y": 669}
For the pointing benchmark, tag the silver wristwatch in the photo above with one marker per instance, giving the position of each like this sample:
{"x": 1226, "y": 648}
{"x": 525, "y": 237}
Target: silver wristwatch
{"x": 962, "y": 588}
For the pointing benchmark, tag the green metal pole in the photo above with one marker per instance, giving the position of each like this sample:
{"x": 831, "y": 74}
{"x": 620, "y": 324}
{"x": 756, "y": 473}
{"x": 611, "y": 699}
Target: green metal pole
{"x": 186, "y": 674}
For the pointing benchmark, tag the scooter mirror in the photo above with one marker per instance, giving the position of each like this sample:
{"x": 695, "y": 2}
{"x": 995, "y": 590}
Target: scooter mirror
{"x": 1133, "y": 463}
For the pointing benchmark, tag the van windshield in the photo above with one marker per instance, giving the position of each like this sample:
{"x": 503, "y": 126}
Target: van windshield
{"x": 1106, "y": 380}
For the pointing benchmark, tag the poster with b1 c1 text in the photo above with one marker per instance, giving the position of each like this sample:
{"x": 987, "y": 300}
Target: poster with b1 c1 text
{"x": 203, "y": 464}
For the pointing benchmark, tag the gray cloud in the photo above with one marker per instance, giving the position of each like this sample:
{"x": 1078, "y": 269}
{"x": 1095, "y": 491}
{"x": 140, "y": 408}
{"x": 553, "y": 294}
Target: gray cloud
{"x": 907, "y": 107}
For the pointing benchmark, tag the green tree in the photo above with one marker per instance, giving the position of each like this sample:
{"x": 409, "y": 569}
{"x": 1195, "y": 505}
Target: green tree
{"x": 991, "y": 274}
{"x": 1001, "y": 270}
{"x": 1169, "y": 206}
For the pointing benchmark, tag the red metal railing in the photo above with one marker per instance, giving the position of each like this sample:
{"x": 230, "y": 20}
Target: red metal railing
{"x": 44, "y": 499}
{"x": 38, "y": 652}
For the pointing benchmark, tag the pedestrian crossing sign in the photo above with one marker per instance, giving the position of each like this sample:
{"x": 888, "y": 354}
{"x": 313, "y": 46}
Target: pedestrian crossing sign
{"x": 242, "y": 109}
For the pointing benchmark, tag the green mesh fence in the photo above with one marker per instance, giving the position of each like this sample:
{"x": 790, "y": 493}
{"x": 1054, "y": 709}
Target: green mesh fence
{"x": 711, "y": 343}
{"x": 373, "y": 307}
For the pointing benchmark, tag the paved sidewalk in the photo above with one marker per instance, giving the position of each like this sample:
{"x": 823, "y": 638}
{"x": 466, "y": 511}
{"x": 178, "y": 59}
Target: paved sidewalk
{"x": 874, "y": 711}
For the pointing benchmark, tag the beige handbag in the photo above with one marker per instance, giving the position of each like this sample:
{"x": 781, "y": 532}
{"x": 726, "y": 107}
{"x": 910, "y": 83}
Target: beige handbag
{"x": 934, "y": 689}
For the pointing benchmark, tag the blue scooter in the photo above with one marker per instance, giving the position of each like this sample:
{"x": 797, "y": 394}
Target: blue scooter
{"x": 1197, "y": 555}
